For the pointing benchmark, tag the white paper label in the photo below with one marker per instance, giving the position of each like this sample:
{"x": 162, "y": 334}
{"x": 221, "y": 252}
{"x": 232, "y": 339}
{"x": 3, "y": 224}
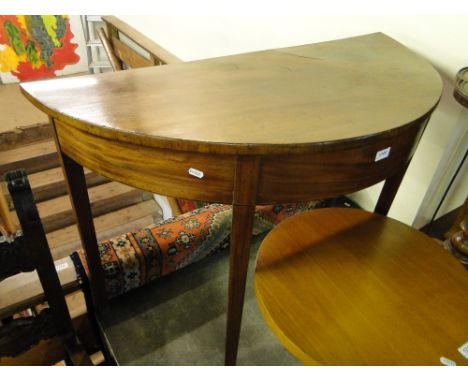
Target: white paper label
{"x": 464, "y": 350}
{"x": 61, "y": 267}
{"x": 196, "y": 173}
{"x": 382, "y": 154}
{"x": 447, "y": 362}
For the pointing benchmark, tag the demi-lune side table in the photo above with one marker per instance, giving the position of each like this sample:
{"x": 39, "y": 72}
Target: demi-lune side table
{"x": 281, "y": 125}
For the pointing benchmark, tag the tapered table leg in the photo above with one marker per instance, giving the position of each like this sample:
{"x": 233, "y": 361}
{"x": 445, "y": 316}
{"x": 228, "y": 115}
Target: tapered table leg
{"x": 392, "y": 183}
{"x": 77, "y": 189}
{"x": 389, "y": 191}
{"x": 242, "y": 223}
{"x": 245, "y": 191}
{"x": 75, "y": 178}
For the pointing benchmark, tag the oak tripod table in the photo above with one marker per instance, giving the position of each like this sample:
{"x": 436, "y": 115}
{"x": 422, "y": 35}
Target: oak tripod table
{"x": 282, "y": 125}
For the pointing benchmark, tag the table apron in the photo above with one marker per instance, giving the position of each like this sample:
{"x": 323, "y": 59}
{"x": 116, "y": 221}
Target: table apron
{"x": 328, "y": 170}
{"x": 160, "y": 171}
{"x": 337, "y": 168}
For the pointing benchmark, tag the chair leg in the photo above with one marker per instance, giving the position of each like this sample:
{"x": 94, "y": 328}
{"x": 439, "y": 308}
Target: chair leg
{"x": 76, "y": 354}
{"x": 67, "y": 360}
{"x": 91, "y": 310}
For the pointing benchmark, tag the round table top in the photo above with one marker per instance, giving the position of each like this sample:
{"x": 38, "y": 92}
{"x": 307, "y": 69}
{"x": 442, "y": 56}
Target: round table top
{"x": 273, "y": 101}
{"x": 347, "y": 287}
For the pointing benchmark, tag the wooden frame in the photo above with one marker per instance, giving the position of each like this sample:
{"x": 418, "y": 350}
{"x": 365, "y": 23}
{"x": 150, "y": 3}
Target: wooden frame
{"x": 158, "y": 55}
{"x": 32, "y": 253}
{"x": 5, "y": 216}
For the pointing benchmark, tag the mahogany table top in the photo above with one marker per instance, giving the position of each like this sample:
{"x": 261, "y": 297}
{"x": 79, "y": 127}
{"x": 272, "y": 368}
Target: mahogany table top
{"x": 272, "y": 101}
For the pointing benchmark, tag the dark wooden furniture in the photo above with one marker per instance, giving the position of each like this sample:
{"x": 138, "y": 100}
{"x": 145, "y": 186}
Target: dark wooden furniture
{"x": 460, "y": 91}
{"x": 347, "y": 287}
{"x": 292, "y": 124}
{"x": 457, "y": 236}
{"x": 457, "y": 241}
{"x": 5, "y": 218}
{"x": 27, "y": 251}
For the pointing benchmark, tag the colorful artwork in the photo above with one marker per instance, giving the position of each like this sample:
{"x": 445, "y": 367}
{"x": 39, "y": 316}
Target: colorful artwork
{"x": 35, "y": 47}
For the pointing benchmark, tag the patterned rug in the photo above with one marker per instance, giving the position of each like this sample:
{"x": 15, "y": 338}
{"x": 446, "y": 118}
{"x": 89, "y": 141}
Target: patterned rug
{"x": 136, "y": 258}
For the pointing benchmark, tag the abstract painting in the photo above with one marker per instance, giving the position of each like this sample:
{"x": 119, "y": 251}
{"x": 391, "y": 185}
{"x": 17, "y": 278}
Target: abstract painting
{"x": 35, "y": 47}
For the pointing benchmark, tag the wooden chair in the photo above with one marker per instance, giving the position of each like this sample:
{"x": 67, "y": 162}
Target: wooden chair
{"x": 6, "y": 222}
{"x": 49, "y": 336}
{"x": 349, "y": 287}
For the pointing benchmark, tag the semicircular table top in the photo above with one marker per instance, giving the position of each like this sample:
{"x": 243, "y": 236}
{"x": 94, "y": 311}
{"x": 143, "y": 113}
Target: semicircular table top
{"x": 292, "y": 124}
{"x": 260, "y": 102}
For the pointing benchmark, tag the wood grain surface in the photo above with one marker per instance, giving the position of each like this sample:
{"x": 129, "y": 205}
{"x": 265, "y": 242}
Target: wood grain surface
{"x": 347, "y": 287}
{"x": 160, "y": 171}
{"x": 331, "y": 170}
{"x": 274, "y": 101}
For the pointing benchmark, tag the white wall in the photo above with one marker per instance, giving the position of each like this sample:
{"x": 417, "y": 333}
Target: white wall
{"x": 436, "y": 38}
